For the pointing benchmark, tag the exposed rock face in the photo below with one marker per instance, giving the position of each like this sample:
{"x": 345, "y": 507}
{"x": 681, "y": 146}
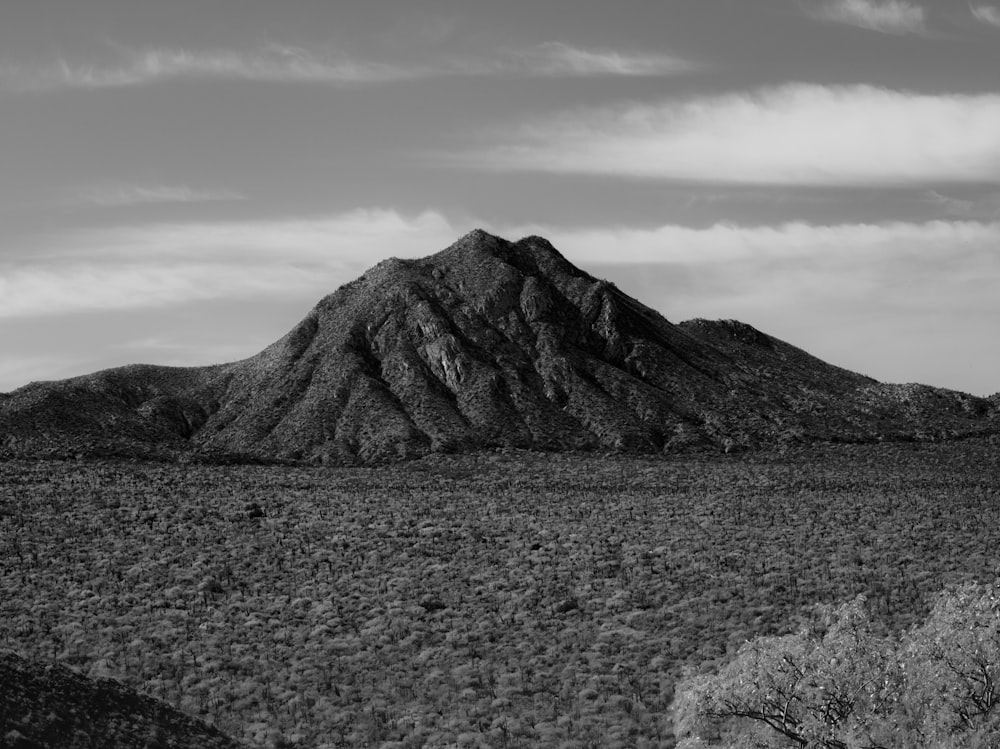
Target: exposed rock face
{"x": 51, "y": 707}
{"x": 487, "y": 343}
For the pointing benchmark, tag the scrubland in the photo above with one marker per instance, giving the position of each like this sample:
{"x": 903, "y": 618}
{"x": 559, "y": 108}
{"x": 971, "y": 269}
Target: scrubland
{"x": 500, "y": 599}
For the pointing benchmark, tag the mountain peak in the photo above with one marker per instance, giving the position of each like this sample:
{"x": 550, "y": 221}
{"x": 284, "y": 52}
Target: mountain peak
{"x": 488, "y": 343}
{"x": 479, "y": 252}
{"x": 478, "y": 240}
{"x": 480, "y": 235}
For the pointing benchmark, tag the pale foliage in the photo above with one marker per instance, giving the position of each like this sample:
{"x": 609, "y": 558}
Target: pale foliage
{"x": 840, "y": 684}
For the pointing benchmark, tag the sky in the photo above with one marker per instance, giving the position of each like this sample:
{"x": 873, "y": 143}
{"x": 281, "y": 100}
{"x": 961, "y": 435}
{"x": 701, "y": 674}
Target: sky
{"x": 180, "y": 182}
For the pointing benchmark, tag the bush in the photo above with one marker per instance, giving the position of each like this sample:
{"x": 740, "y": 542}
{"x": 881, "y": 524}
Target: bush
{"x": 840, "y": 683}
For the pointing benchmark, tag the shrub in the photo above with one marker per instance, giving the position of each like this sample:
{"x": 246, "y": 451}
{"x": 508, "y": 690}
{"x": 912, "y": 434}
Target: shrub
{"x": 841, "y": 684}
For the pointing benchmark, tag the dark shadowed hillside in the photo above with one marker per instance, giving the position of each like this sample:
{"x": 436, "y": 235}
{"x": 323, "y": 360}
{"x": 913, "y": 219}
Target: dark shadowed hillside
{"x": 52, "y": 707}
{"x": 487, "y": 343}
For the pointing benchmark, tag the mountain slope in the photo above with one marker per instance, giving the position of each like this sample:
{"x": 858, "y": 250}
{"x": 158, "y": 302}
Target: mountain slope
{"x": 50, "y": 706}
{"x": 487, "y": 343}
{"x": 138, "y": 409}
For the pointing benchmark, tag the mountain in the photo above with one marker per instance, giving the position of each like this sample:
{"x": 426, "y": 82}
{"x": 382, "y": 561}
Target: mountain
{"x": 487, "y": 343}
{"x": 51, "y": 707}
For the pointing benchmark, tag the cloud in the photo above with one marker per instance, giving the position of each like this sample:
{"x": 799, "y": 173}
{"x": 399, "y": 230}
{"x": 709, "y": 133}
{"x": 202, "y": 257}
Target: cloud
{"x": 986, "y": 14}
{"x": 281, "y": 63}
{"x": 558, "y": 59}
{"x": 161, "y": 265}
{"x": 986, "y": 207}
{"x": 796, "y": 134}
{"x": 274, "y": 63}
{"x": 371, "y": 234}
{"x": 88, "y": 287}
{"x": 723, "y": 244}
{"x": 117, "y": 196}
{"x": 885, "y": 16}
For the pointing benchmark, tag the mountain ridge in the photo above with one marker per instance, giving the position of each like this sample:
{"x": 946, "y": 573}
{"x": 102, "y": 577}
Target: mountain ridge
{"x": 487, "y": 343}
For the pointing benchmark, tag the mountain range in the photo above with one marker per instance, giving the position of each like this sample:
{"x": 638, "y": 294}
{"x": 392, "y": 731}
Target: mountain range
{"x": 488, "y": 343}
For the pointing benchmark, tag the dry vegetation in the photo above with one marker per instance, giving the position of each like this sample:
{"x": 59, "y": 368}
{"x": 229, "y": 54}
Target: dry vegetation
{"x": 503, "y": 599}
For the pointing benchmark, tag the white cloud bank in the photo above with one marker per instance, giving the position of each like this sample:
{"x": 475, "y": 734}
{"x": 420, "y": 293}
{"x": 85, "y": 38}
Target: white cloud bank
{"x": 796, "y": 134}
{"x": 285, "y": 64}
{"x": 884, "y": 16}
{"x": 986, "y": 14}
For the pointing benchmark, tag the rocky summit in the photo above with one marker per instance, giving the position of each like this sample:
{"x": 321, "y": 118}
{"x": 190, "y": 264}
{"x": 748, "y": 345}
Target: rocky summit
{"x": 488, "y": 343}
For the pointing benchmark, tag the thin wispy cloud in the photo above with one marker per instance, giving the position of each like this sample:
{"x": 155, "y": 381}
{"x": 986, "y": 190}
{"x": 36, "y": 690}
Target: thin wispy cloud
{"x": 160, "y": 265}
{"x": 796, "y": 134}
{"x": 364, "y": 235}
{"x": 985, "y": 207}
{"x": 988, "y": 14}
{"x": 559, "y": 59}
{"x": 87, "y": 287}
{"x": 119, "y": 196}
{"x": 278, "y": 63}
{"x": 821, "y": 244}
{"x": 884, "y": 16}
{"x": 274, "y": 63}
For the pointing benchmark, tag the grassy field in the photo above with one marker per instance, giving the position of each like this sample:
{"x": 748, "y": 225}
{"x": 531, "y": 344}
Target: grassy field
{"x": 504, "y": 599}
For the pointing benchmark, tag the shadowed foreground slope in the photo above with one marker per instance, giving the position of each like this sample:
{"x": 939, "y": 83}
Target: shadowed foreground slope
{"x": 488, "y": 343}
{"x": 52, "y": 707}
